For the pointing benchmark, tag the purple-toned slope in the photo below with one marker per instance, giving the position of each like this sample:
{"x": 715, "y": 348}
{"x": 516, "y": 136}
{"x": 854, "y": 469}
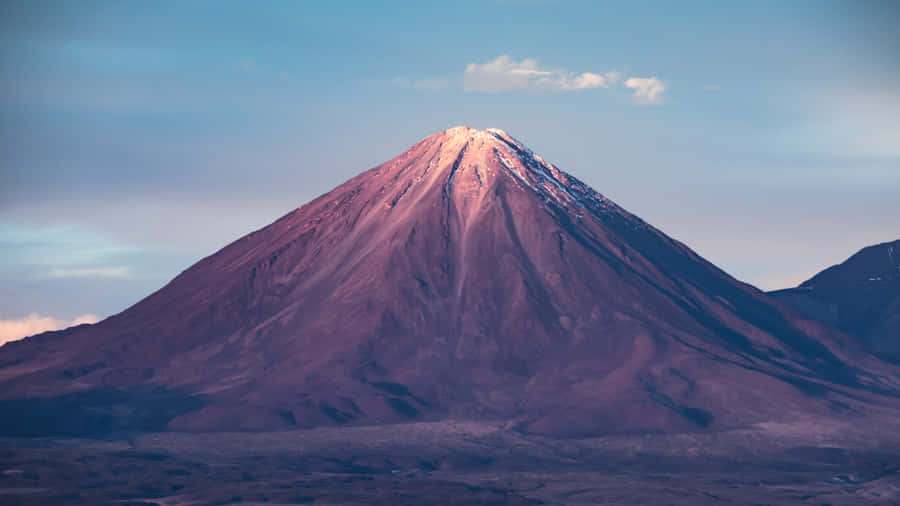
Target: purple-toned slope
{"x": 467, "y": 278}
{"x": 860, "y": 296}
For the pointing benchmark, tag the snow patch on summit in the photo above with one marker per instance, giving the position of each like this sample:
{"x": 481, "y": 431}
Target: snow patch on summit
{"x": 552, "y": 184}
{"x": 508, "y": 165}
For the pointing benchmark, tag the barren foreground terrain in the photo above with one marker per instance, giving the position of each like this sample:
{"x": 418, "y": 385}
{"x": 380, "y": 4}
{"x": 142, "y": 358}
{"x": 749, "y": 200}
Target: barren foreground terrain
{"x": 459, "y": 463}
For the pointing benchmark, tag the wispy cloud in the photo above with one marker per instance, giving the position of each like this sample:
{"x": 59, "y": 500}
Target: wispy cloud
{"x": 434, "y": 83}
{"x": 246, "y": 65}
{"x": 428, "y": 83}
{"x": 60, "y": 246}
{"x": 506, "y": 74}
{"x": 11, "y": 330}
{"x": 119, "y": 272}
{"x": 647, "y": 90}
{"x": 63, "y": 252}
{"x": 712, "y": 87}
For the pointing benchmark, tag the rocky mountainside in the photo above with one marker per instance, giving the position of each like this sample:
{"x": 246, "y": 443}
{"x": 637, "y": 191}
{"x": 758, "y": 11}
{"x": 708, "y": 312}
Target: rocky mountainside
{"x": 465, "y": 279}
{"x": 860, "y": 296}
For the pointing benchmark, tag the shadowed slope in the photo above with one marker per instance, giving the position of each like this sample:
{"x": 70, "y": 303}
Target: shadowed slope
{"x": 860, "y": 296}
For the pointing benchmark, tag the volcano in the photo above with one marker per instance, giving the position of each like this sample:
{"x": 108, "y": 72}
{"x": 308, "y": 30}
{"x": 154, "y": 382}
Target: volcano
{"x": 466, "y": 279}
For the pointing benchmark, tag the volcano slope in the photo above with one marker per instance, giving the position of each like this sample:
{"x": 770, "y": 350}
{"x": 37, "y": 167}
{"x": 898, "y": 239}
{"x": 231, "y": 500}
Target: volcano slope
{"x": 465, "y": 279}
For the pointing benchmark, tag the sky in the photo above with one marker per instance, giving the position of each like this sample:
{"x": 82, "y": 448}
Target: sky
{"x": 139, "y": 137}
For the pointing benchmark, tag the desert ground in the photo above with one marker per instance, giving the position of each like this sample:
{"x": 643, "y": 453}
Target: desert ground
{"x": 459, "y": 463}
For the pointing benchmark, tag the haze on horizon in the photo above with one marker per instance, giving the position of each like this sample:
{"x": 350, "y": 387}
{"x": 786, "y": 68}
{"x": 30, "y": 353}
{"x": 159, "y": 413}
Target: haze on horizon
{"x": 138, "y": 138}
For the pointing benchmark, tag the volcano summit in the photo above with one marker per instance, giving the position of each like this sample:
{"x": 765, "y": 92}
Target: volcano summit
{"x": 466, "y": 279}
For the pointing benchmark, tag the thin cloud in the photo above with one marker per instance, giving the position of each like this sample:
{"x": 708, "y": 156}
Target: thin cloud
{"x": 712, "y": 87}
{"x": 11, "y": 330}
{"x": 246, "y": 65}
{"x": 91, "y": 272}
{"x": 647, "y": 90}
{"x": 506, "y": 74}
{"x": 428, "y": 83}
{"x": 435, "y": 83}
{"x": 402, "y": 82}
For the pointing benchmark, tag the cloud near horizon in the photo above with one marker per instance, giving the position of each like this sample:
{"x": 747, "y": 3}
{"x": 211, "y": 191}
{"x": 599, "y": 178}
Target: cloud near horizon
{"x": 506, "y": 74}
{"x": 12, "y": 330}
{"x": 91, "y": 272}
{"x": 428, "y": 83}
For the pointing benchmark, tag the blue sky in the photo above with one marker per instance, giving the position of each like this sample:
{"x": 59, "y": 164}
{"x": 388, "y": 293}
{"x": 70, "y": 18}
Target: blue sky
{"x": 138, "y": 137}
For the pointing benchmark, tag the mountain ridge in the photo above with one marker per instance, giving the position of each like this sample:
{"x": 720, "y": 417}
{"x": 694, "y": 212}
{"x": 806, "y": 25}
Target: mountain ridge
{"x": 860, "y": 296}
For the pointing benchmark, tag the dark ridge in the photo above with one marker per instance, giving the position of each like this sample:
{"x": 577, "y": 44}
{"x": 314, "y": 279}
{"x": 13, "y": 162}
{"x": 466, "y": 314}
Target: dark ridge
{"x": 699, "y": 416}
{"x": 335, "y": 414}
{"x": 403, "y": 407}
{"x": 96, "y": 413}
{"x": 392, "y": 388}
{"x": 288, "y": 416}
{"x": 84, "y": 370}
{"x": 860, "y": 296}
